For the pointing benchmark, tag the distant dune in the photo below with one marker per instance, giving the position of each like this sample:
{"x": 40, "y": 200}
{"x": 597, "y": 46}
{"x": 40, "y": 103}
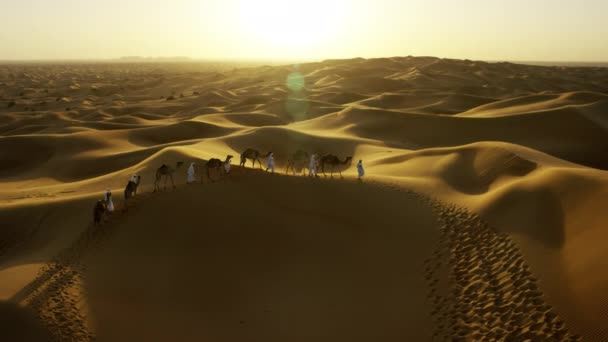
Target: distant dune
{"x": 481, "y": 215}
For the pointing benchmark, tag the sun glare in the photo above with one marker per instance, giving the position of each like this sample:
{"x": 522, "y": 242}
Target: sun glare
{"x": 291, "y": 24}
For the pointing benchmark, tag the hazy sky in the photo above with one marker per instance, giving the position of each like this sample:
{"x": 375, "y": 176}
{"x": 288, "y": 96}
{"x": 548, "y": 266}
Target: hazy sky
{"x": 553, "y": 30}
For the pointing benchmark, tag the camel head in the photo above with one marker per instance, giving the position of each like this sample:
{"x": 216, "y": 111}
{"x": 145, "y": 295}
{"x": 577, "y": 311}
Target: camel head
{"x": 228, "y": 157}
{"x": 348, "y": 160}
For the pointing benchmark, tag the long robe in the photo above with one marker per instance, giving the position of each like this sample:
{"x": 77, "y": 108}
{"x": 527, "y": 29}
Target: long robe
{"x": 271, "y": 162}
{"x": 191, "y": 173}
{"x": 312, "y": 167}
{"x": 360, "y": 169}
{"x": 227, "y": 167}
{"x": 109, "y": 203}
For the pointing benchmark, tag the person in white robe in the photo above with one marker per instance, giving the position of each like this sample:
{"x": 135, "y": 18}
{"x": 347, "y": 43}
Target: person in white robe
{"x": 191, "y": 174}
{"x": 108, "y": 199}
{"x": 360, "y": 169}
{"x": 270, "y": 165}
{"x": 227, "y": 167}
{"x": 312, "y": 167}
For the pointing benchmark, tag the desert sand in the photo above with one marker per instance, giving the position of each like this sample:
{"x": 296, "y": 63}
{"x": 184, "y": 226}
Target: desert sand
{"x": 482, "y": 214}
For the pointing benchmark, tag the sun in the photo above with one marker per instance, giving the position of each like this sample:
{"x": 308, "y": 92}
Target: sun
{"x": 291, "y": 24}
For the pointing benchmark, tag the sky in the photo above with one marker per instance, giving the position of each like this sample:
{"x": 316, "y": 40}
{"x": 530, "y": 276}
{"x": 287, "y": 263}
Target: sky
{"x": 515, "y": 30}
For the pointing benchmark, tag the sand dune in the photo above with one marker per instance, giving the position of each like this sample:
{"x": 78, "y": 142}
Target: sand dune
{"x": 481, "y": 214}
{"x": 539, "y": 103}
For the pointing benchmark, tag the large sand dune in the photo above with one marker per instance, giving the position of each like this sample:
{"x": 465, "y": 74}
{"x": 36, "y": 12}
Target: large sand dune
{"x": 482, "y": 213}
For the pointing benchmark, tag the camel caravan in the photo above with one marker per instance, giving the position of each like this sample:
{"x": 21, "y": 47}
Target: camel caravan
{"x": 298, "y": 163}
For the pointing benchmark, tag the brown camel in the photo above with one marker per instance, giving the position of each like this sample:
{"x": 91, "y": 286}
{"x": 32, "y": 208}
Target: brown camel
{"x": 217, "y": 165}
{"x": 335, "y": 164}
{"x": 298, "y": 160}
{"x": 254, "y": 155}
{"x": 166, "y": 172}
{"x": 131, "y": 188}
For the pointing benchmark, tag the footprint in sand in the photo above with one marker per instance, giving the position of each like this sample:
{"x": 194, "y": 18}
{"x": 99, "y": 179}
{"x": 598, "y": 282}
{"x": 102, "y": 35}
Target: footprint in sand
{"x": 491, "y": 293}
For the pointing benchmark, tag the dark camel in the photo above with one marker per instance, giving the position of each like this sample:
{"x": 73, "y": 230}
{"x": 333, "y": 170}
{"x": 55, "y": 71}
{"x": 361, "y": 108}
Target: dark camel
{"x": 334, "y": 163}
{"x": 166, "y": 172}
{"x": 131, "y": 188}
{"x": 298, "y": 160}
{"x": 254, "y": 155}
{"x": 217, "y": 165}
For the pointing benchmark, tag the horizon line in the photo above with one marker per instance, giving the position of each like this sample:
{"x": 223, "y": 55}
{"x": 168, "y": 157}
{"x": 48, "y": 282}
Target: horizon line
{"x": 185, "y": 59}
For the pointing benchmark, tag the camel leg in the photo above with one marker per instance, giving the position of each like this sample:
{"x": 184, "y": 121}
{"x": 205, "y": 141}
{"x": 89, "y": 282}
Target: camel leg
{"x": 165, "y": 184}
{"x": 293, "y": 169}
{"x": 209, "y": 174}
{"x": 172, "y": 183}
{"x": 341, "y": 177}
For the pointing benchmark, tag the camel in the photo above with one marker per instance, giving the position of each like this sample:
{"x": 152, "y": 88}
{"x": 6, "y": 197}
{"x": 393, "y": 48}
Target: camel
{"x": 216, "y": 164}
{"x": 334, "y": 162}
{"x": 166, "y": 172}
{"x": 253, "y": 155}
{"x": 298, "y": 160}
{"x": 131, "y": 188}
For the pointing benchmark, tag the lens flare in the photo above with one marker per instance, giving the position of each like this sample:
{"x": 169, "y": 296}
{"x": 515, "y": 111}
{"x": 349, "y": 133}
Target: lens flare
{"x": 295, "y": 81}
{"x": 296, "y": 104}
